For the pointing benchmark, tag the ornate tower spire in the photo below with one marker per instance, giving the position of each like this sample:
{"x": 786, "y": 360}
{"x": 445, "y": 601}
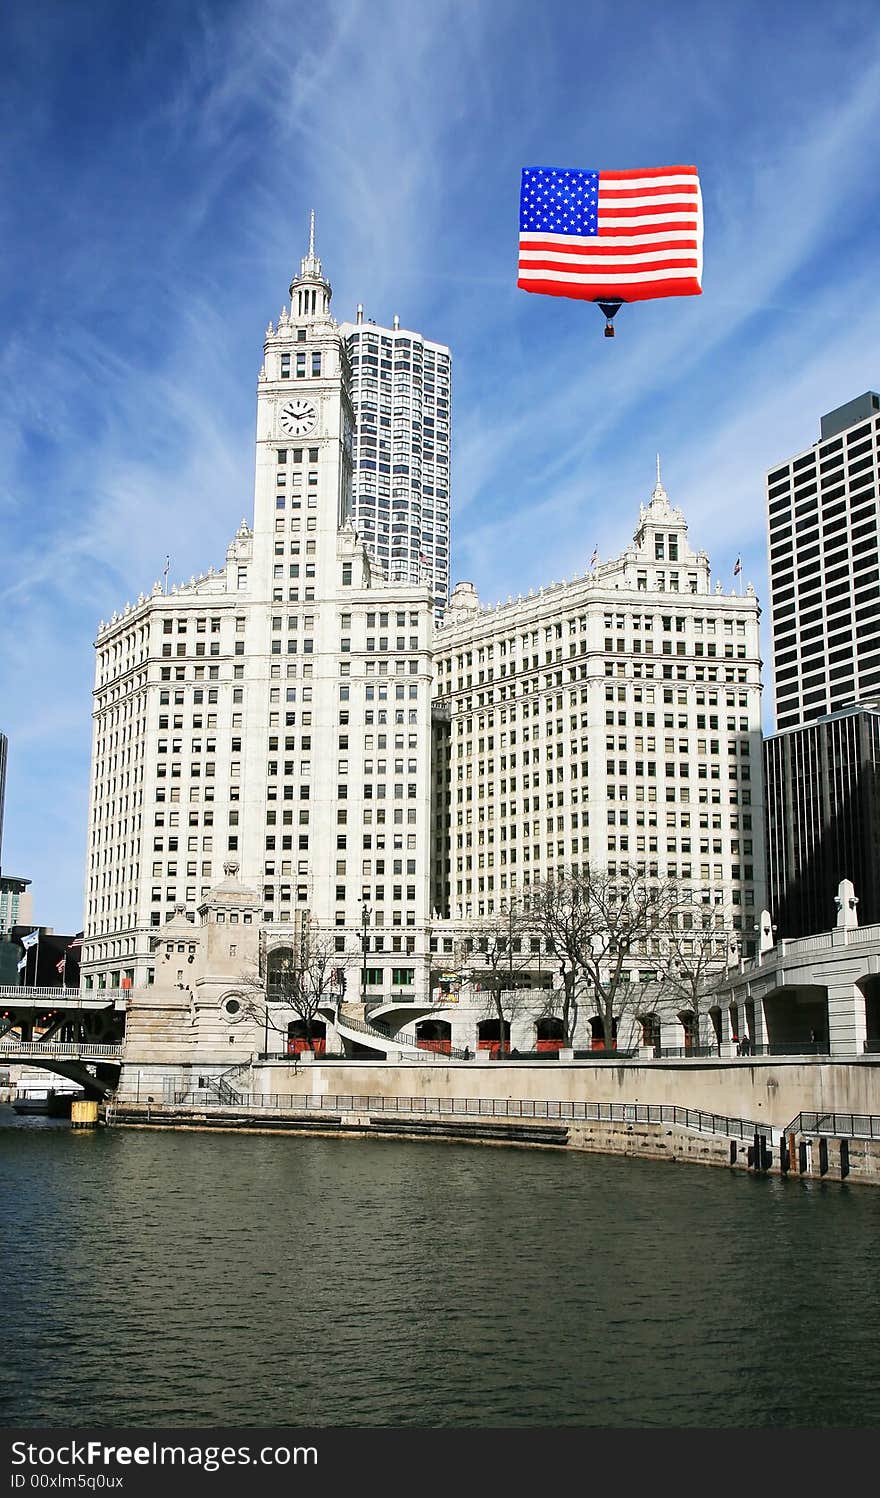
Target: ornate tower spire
{"x": 659, "y": 495}
{"x": 310, "y": 291}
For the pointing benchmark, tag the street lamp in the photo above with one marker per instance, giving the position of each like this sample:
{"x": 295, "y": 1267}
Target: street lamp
{"x": 365, "y": 924}
{"x": 508, "y": 908}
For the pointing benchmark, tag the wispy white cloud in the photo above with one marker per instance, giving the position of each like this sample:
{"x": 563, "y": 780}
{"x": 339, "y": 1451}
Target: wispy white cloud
{"x": 153, "y": 220}
{"x": 756, "y": 320}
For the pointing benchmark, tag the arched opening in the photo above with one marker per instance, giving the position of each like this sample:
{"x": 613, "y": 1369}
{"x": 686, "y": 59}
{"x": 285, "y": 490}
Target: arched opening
{"x": 298, "y": 1039}
{"x": 733, "y": 1017}
{"x": 597, "y": 1033}
{"x": 434, "y": 1035}
{"x": 650, "y": 1024}
{"x": 715, "y": 1020}
{"x": 690, "y": 1025}
{"x": 871, "y": 989}
{"x": 489, "y": 1037}
{"x": 549, "y": 1034}
{"x": 281, "y": 973}
{"x": 796, "y": 1019}
{"x": 750, "y": 1028}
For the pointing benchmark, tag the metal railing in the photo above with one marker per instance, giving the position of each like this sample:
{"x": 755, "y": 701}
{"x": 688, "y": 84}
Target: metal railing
{"x": 792, "y": 1048}
{"x": 683, "y": 1052}
{"x": 785, "y": 1048}
{"x": 837, "y": 1125}
{"x": 23, "y": 990}
{"x": 64, "y": 1050}
{"x": 513, "y": 1108}
{"x": 221, "y": 1088}
{"x": 70, "y": 995}
{"x": 623, "y": 1053}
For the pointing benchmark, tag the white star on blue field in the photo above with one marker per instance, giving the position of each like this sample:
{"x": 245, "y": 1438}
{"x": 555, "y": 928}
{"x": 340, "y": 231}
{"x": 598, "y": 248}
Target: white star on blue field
{"x": 159, "y": 163}
{"x": 559, "y": 202}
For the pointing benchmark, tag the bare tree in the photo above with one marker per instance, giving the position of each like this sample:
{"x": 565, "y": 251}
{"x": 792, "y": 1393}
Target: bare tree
{"x": 497, "y": 952}
{"x": 560, "y": 913}
{"x": 297, "y": 982}
{"x": 603, "y": 923}
{"x": 693, "y": 963}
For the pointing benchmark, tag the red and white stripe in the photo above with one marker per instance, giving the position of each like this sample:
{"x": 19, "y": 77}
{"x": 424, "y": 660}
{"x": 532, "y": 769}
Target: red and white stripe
{"x": 649, "y": 242}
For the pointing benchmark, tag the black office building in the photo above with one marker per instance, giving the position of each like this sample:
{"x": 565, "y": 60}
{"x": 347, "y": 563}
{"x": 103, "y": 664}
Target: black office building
{"x": 822, "y": 787}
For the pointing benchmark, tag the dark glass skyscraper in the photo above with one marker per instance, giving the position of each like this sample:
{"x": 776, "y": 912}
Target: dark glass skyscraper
{"x": 822, "y": 784}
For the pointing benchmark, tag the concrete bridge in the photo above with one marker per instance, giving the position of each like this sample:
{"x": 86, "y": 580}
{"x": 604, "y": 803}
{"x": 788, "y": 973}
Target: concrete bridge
{"x": 819, "y": 990}
{"x": 70, "y": 1061}
{"x": 78, "y": 1035}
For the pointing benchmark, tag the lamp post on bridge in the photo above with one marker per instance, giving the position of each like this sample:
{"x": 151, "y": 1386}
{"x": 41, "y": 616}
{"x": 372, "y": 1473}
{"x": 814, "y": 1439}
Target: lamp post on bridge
{"x": 365, "y": 941}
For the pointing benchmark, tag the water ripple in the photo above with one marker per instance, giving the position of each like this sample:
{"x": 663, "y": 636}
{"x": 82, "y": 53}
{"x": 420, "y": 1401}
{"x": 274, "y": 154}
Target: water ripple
{"x": 247, "y": 1281}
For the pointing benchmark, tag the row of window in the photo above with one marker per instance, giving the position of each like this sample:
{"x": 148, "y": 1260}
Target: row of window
{"x": 299, "y": 365}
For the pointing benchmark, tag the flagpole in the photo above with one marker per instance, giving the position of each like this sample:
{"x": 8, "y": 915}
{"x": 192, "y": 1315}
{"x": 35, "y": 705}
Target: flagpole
{"x": 36, "y": 963}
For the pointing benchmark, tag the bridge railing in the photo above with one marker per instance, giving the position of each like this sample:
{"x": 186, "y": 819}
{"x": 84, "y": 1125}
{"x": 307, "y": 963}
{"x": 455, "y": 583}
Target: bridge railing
{"x": 27, "y": 991}
{"x": 63, "y": 1050}
{"x": 21, "y": 993}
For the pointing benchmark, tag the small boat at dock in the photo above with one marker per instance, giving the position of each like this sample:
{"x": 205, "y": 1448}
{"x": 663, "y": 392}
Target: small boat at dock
{"x": 56, "y": 1102}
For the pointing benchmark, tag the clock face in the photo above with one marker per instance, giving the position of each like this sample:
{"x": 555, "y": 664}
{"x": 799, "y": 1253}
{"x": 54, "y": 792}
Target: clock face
{"x": 297, "y": 417}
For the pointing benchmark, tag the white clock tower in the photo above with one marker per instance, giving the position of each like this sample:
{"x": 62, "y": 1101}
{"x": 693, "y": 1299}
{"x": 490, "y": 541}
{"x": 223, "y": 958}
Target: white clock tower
{"x": 339, "y": 782}
{"x": 276, "y": 711}
{"x": 304, "y": 418}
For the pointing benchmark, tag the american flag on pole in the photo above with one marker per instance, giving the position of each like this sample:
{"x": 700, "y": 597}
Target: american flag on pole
{"x": 590, "y": 235}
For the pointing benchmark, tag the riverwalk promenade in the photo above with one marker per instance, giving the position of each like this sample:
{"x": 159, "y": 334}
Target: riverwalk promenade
{"x": 807, "y": 1118}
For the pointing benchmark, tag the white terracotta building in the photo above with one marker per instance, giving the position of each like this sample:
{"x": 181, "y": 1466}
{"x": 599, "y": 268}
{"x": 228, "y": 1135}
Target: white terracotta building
{"x": 276, "y": 712}
{"x": 298, "y": 719}
{"x": 611, "y": 720}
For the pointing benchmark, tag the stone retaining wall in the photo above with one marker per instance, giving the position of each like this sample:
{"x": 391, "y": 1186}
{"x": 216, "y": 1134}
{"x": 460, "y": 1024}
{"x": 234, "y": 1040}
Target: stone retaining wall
{"x": 665, "y": 1141}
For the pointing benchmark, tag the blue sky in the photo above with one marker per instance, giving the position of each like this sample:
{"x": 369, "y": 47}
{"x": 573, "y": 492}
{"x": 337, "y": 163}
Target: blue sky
{"x": 158, "y": 168}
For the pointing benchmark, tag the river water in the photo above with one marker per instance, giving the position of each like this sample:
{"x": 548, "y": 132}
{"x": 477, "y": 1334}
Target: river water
{"x": 174, "y": 1279}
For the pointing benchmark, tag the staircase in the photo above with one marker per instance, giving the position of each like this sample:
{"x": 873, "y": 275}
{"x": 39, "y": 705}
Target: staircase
{"x": 362, "y": 1032}
{"x": 221, "y": 1087}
